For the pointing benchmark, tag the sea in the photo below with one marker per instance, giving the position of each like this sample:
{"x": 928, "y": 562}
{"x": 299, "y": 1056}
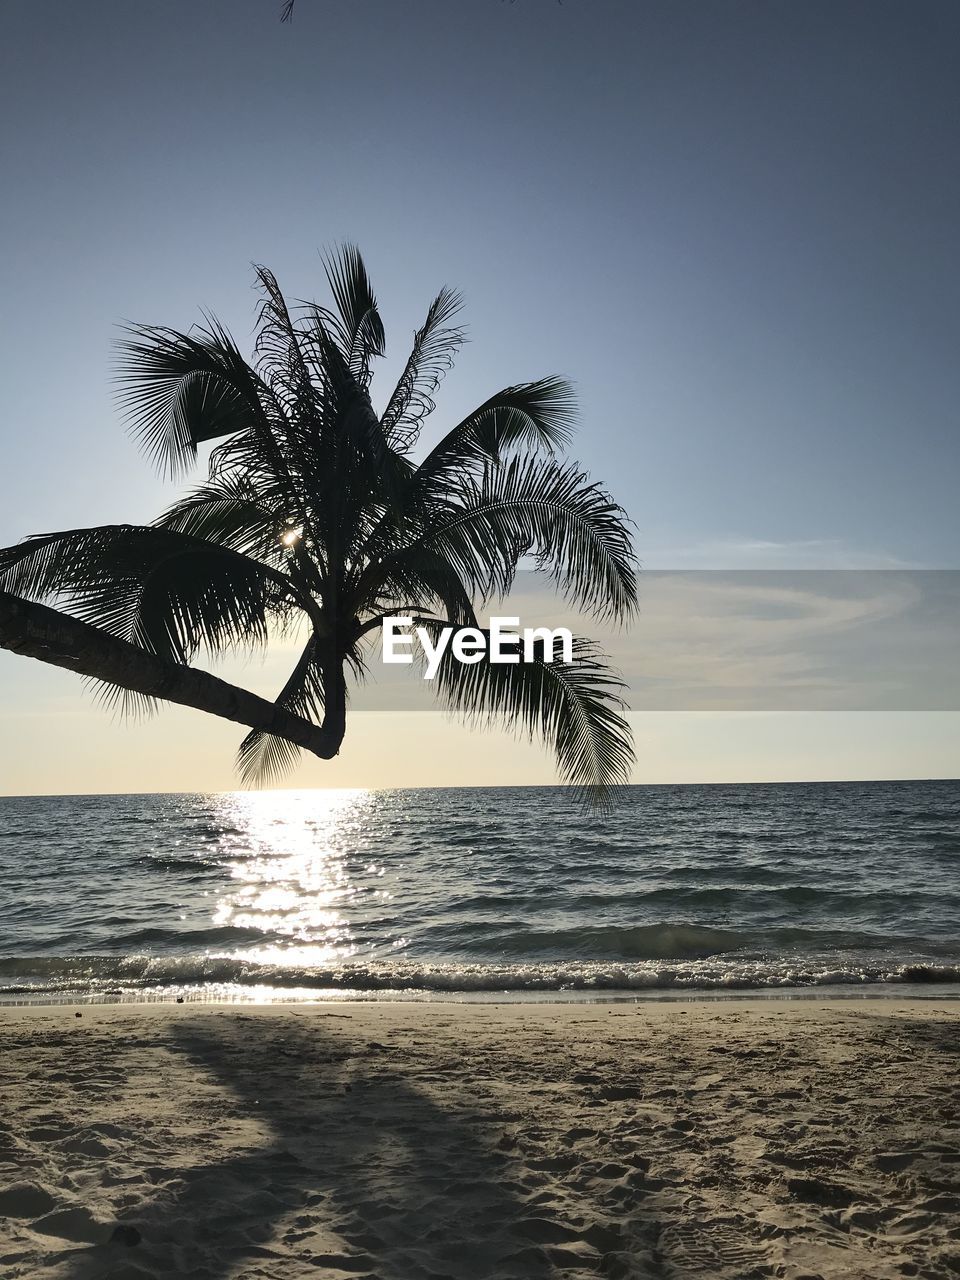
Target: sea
{"x": 479, "y": 893}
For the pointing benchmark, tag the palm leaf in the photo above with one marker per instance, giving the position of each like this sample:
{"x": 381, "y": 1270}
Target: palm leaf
{"x": 535, "y": 415}
{"x": 575, "y": 707}
{"x": 262, "y": 757}
{"x": 227, "y": 512}
{"x": 434, "y": 346}
{"x": 574, "y": 531}
{"x": 162, "y": 590}
{"x": 358, "y": 322}
{"x": 423, "y": 580}
{"x": 281, "y": 358}
{"x": 125, "y": 704}
{"x": 178, "y": 390}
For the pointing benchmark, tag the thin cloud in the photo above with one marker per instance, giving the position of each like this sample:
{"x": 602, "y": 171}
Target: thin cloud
{"x": 767, "y": 553}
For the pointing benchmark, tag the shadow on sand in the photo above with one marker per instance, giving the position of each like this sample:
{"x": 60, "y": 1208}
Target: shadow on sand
{"x": 361, "y": 1174}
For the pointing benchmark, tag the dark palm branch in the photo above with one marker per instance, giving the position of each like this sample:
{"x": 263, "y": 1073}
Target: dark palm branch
{"x": 264, "y": 757}
{"x": 578, "y": 706}
{"x": 167, "y": 592}
{"x": 435, "y": 345}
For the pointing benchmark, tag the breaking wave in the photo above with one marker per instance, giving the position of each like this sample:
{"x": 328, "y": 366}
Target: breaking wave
{"x": 117, "y": 975}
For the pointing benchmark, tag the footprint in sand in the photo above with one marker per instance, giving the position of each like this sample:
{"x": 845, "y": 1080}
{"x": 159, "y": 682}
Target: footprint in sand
{"x": 692, "y": 1252}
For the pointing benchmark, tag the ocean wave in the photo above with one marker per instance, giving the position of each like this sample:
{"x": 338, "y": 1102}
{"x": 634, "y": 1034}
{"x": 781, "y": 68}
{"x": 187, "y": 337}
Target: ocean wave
{"x": 667, "y": 941}
{"x": 839, "y": 901}
{"x": 160, "y": 862}
{"x": 89, "y": 975}
{"x": 641, "y": 942}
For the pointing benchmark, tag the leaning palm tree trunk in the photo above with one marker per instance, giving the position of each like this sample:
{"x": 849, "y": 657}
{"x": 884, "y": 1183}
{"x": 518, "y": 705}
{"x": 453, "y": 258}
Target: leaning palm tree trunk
{"x": 35, "y": 631}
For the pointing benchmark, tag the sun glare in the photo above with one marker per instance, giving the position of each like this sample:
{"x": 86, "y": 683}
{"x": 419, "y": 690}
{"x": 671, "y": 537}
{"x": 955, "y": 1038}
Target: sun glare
{"x": 293, "y": 871}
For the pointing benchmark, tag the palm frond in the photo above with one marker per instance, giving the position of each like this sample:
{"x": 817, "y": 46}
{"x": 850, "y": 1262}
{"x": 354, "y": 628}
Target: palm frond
{"x": 263, "y": 758}
{"x": 227, "y": 512}
{"x": 572, "y": 529}
{"x": 124, "y": 704}
{"x": 435, "y": 345}
{"x": 167, "y": 592}
{"x": 423, "y": 579}
{"x": 281, "y": 359}
{"x": 535, "y": 415}
{"x": 574, "y": 707}
{"x": 178, "y": 390}
{"x": 359, "y": 326}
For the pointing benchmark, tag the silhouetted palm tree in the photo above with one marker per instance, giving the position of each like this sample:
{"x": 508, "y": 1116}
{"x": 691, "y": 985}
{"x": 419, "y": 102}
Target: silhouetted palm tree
{"x": 314, "y": 510}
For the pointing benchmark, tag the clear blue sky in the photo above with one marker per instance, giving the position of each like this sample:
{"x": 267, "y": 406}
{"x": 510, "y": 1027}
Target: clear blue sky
{"x": 733, "y": 225}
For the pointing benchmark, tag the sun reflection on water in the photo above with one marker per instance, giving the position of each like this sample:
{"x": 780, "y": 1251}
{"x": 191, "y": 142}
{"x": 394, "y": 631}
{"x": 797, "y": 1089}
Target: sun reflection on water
{"x": 296, "y": 860}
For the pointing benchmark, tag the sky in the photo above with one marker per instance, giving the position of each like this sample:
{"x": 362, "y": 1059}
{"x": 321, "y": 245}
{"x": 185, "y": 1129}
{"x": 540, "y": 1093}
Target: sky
{"x": 733, "y": 226}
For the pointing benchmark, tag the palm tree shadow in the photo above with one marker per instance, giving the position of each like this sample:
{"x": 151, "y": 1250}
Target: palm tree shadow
{"x": 361, "y": 1171}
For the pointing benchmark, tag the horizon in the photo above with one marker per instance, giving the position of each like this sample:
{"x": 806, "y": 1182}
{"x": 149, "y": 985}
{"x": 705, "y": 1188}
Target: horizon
{"x": 500, "y": 786}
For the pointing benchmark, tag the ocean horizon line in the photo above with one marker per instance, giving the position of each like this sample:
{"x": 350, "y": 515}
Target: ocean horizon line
{"x": 493, "y": 786}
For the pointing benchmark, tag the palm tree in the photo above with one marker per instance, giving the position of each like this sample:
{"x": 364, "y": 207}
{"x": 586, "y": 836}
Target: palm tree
{"x": 314, "y": 512}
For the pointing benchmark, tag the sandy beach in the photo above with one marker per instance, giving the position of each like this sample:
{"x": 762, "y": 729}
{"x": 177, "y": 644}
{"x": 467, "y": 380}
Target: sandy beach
{"x": 795, "y": 1139}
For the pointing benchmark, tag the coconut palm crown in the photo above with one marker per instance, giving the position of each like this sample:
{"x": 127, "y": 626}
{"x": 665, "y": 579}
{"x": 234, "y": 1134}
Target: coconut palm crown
{"x": 315, "y": 510}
